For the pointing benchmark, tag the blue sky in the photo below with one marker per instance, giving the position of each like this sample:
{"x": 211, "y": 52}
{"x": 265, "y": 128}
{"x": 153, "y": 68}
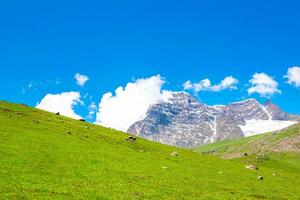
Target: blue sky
{"x": 114, "y": 42}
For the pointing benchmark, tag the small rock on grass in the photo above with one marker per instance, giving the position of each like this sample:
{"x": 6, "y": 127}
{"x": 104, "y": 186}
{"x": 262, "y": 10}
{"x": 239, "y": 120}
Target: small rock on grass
{"x": 254, "y": 167}
{"x": 131, "y": 138}
{"x": 174, "y": 153}
{"x": 260, "y": 178}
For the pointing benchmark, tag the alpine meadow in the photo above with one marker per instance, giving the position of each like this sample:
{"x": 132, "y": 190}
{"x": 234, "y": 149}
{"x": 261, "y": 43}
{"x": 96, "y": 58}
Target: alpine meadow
{"x": 150, "y": 100}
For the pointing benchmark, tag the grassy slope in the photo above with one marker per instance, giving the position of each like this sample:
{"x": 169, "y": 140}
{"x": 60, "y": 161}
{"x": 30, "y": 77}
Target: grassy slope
{"x": 258, "y": 144}
{"x": 266, "y": 150}
{"x": 40, "y": 159}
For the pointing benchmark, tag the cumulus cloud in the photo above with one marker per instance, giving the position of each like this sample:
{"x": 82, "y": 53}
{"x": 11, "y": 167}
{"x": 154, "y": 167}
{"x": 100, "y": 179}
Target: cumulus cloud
{"x": 81, "y": 79}
{"x": 188, "y": 85}
{"x": 264, "y": 85}
{"x": 228, "y": 82}
{"x": 131, "y": 103}
{"x": 62, "y": 103}
{"x": 92, "y": 110}
{"x": 293, "y": 76}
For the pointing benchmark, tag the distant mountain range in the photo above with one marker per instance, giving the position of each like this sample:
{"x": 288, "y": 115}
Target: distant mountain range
{"x": 183, "y": 121}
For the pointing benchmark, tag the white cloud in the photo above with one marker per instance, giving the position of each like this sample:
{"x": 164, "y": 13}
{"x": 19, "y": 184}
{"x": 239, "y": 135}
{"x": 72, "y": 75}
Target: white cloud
{"x": 131, "y": 103}
{"x": 293, "y": 76}
{"x": 62, "y": 103}
{"x": 264, "y": 85}
{"x": 228, "y": 82}
{"x": 81, "y": 79}
{"x": 203, "y": 85}
{"x": 188, "y": 85}
{"x": 92, "y": 110}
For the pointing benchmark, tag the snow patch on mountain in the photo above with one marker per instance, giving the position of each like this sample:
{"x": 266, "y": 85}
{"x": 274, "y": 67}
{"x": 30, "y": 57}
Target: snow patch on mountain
{"x": 255, "y": 127}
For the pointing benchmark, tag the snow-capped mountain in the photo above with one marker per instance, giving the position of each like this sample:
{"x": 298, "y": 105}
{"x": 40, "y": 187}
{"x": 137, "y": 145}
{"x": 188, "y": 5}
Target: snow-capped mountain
{"x": 184, "y": 121}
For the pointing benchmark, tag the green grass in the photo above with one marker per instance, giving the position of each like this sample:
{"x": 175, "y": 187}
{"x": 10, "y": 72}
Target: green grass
{"x": 258, "y": 144}
{"x": 40, "y": 159}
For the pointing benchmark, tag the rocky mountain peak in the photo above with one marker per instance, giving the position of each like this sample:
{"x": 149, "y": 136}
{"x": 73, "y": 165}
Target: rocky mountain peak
{"x": 245, "y": 102}
{"x": 184, "y": 121}
{"x": 250, "y": 109}
{"x": 275, "y": 111}
{"x": 268, "y": 102}
{"x": 182, "y": 98}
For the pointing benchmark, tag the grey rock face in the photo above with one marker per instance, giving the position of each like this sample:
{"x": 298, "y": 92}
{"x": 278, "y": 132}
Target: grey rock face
{"x": 191, "y": 121}
{"x": 185, "y": 122}
{"x": 275, "y": 111}
{"x": 292, "y": 117}
{"x": 278, "y": 114}
{"x": 249, "y": 109}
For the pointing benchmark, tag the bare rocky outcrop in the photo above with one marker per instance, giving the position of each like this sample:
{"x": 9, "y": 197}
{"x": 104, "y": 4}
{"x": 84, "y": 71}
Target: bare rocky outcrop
{"x": 275, "y": 111}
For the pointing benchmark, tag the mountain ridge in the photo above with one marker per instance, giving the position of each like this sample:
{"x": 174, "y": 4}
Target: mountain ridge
{"x": 184, "y": 121}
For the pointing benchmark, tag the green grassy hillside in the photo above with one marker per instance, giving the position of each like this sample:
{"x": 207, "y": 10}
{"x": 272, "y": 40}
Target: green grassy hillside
{"x": 44, "y": 156}
{"x": 286, "y": 141}
{"x": 279, "y": 151}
